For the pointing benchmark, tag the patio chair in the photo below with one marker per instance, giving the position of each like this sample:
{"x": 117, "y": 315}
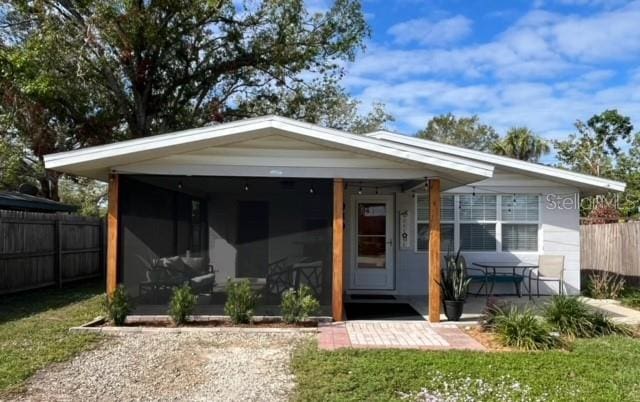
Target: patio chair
{"x": 550, "y": 269}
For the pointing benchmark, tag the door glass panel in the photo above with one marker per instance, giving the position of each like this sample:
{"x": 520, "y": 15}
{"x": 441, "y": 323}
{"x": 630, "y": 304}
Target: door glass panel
{"x": 372, "y": 241}
{"x": 372, "y": 219}
{"x": 371, "y": 252}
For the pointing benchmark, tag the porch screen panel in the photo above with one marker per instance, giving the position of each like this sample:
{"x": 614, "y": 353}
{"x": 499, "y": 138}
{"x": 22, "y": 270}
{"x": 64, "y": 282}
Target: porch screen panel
{"x": 272, "y": 234}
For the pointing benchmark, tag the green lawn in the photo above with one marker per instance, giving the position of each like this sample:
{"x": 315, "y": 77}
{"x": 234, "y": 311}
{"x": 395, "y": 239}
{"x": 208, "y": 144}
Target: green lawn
{"x": 604, "y": 369}
{"x": 34, "y": 329}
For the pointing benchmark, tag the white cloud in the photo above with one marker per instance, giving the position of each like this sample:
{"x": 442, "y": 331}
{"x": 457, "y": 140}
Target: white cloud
{"x": 541, "y": 44}
{"x": 431, "y": 33}
{"x": 507, "y": 58}
{"x": 545, "y": 108}
{"x": 610, "y": 35}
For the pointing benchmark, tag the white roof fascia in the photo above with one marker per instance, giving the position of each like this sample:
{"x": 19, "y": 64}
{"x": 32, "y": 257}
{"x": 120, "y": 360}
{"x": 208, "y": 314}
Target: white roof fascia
{"x": 548, "y": 172}
{"x": 160, "y": 145}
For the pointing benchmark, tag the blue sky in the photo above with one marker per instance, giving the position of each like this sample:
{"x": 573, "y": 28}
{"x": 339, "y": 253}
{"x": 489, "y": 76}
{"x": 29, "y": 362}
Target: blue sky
{"x": 542, "y": 64}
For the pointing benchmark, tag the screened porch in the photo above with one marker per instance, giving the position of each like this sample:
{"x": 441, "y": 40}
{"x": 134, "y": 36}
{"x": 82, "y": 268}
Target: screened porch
{"x": 206, "y": 231}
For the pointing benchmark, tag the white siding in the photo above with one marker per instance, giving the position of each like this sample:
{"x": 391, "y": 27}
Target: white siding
{"x": 278, "y": 155}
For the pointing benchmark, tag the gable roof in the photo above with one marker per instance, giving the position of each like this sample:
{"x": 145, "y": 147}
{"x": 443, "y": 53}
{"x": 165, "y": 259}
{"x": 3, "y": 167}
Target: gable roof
{"x": 586, "y": 183}
{"x": 456, "y": 166}
{"x": 97, "y": 161}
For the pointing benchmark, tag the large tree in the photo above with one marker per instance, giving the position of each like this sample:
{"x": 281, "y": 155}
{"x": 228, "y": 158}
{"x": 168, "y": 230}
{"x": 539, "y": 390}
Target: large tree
{"x": 605, "y": 146}
{"x": 83, "y": 72}
{"x": 466, "y": 132}
{"x": 327, "y": 105}
{"x": 596, "y": 145}
{"x": 522, "y": 143}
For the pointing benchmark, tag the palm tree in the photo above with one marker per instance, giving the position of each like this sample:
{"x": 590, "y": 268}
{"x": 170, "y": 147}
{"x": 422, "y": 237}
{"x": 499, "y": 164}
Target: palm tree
{"x": 521, "y": 143}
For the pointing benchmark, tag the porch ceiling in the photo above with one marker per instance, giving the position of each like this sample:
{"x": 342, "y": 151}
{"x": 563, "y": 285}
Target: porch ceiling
{"x": 269, "y": 147}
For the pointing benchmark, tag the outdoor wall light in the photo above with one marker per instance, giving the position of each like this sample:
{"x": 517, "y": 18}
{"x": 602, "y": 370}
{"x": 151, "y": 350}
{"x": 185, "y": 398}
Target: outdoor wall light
{"x": 180, "y": 185}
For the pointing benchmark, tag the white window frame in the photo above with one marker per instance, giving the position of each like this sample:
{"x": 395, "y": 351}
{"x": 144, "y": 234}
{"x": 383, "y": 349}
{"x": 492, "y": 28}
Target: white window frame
{"x": 498, "y": 222}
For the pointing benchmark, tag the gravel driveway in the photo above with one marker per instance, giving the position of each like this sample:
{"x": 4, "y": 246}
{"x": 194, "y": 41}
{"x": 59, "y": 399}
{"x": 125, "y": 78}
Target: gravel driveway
{"x": 186, "y": 366}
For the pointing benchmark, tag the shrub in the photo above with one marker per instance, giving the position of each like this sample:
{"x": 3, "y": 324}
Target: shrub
{"x": 298, "y": 305}
{"x": 570, "y": 316}
{"x": 493, "y": 309}
{"x": 523, "y": 330}
{"x": 631, "y": 297}
{"x": 118, "y": 305}
{"x": 603, "y": 325}
{"x": 605, "y": 285}
{"x": 241, "y": 301}
{"x": 183, "y": 301}
{"x": 574, "y": 319}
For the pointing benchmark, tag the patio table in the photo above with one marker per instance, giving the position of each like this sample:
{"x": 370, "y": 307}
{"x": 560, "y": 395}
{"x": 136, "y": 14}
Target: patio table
{"x": 495, "y": 273}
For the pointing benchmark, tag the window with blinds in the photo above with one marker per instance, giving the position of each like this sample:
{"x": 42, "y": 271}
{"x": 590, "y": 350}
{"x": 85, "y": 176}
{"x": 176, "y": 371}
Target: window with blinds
{"x": 446, "y": 236}
{"x": 482, "y": 222}
{"x": 478, "y": 214}
{"x": 478, "y": 237}
{"x": 479, "y": 207}
{"x": 447, "y": 217}
{"x": 447, "y": 208}
{"x": 519, "y": 208}
{"x": 519, "y": 237}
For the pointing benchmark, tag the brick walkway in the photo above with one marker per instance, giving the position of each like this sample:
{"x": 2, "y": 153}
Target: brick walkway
{"x": 394, "y": 334}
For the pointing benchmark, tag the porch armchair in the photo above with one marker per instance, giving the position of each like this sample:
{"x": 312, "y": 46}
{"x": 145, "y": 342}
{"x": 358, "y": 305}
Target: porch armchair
{"x": 550, "y": 269}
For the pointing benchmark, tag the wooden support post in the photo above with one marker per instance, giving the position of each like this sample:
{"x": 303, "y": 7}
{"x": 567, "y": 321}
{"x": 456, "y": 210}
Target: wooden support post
{"x": 112, "y": 236}
{"x": 337, "y": 301}
{"x": 434, "y": 250}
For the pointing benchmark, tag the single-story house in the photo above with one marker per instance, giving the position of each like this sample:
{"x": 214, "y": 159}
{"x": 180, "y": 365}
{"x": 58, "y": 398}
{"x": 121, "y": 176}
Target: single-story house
{"x": 285, "y": 203}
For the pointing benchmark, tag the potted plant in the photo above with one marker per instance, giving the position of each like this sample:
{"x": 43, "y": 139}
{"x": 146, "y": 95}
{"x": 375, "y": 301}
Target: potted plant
{"x": 454, "y": 284}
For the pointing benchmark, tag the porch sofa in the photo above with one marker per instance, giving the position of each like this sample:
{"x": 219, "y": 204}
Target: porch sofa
{"x": 163, "y": 274}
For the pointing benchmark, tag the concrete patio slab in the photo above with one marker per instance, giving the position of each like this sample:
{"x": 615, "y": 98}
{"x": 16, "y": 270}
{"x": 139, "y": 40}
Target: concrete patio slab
{"x": 615, "y": 310}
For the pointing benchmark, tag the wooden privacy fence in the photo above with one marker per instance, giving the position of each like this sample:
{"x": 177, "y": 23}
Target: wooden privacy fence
{"x": 38, "y": 249}
{"x": 613, "y": 247}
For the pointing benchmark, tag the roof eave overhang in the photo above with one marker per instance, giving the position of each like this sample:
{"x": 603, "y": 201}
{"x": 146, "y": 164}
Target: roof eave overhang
{"x": 97, "y": 161}
{"x": 586, "y": 184}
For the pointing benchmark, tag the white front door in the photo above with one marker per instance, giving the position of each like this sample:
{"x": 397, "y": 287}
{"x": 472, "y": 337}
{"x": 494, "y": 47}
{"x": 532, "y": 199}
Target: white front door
{"x": 372, "y": 243}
